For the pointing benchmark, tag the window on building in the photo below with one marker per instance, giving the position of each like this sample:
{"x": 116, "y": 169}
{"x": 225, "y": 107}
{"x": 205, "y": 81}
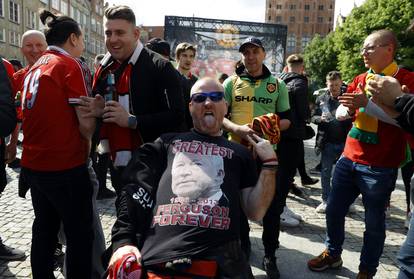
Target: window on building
{"x": 291, "y": 43}
{"x": 30, "y": 19}
{"x": 71, "y": 11}
{"x": 64, "y": 7}
{"x": 85, "y": 19}
{"x": 93, "y": 23}
{"x": 306, "y": 19}
{"x": 320, "y": 19}
{"x": 278, "y": 7}
{"x": 45, "y": 1}
{"x": 269, "y": 18}
{"x": 305, "y": 41}
{"x": 77, "y": 15}
{"x": 1, "y": 8}
{"x": 270, "y": 5}
{"x": 320, "y": 7}
{"x": 14, "y": 14}
{"x": 2, "y": 35}
{"x": 330, "y": 19}
{"x": 55, "y": 4}
{"x": 307, "y": 7}
{"x": 292, "y": 7}
{"x": 278, "y": 19}
{"x": 42, "y": 27}
{"x": 330, "y": 7}
{"x": 292, "y": 19}
{"x": 92, "y": 48}
{"x": 14, "y": 38}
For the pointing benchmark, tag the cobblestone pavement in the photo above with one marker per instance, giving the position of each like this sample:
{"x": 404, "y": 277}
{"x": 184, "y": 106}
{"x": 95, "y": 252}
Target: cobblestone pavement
{"x": 297, "y": 244}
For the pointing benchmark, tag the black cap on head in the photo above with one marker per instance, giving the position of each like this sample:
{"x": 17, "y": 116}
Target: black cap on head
{"x": 160, "y": 46}
{"x": 251, "y": 41}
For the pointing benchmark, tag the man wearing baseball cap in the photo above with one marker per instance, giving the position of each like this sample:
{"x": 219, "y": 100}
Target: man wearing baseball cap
{"x": 253, "y": 91}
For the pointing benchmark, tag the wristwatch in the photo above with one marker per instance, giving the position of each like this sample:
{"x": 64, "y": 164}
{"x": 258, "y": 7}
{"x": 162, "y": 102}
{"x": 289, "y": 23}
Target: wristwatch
{"x": 132, "y": 121}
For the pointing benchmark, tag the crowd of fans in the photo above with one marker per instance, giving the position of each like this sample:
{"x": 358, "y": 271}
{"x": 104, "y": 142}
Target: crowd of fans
{"x": 193, "y": 159}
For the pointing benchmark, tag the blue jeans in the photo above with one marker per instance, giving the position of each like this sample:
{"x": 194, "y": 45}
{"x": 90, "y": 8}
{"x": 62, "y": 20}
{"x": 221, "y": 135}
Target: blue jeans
{"x": 375, "y": 184}
{"x": 405, "y": 257}
{"x": 330, "y": 152}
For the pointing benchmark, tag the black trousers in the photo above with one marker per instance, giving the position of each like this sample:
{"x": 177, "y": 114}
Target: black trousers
{"x": 62, "y": 196}
{"x": 289, "y": 152}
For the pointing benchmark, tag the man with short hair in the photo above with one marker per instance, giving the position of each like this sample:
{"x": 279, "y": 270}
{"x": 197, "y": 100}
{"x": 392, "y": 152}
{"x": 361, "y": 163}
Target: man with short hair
{"x": 374, "y": 149}
{"x": 331, "y": 132}
{"x": 253, "y": 91}
{"x": 185, "y": 53}
{"x": 148, "y": 99}
{"x": 160, "y": 46}
{"x": 33, "y": 45}
{"x": 184, "y": 234}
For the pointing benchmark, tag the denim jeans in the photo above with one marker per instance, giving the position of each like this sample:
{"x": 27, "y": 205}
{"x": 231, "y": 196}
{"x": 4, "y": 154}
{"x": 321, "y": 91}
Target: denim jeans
{"x": 375, "y": 184}
{"x": 330, "y": 152}
{"x": 405, "y": 257}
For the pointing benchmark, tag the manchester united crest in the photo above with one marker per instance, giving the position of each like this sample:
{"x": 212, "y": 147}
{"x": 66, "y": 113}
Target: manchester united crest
{"x": 271, "y": 87}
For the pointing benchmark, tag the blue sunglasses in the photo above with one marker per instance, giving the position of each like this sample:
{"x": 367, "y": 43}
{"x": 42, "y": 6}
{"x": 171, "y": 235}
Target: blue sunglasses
{"x": 202, "y": 97}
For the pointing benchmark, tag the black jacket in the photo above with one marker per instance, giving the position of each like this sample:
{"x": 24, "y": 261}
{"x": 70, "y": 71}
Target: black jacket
{"x": 7, "y": 119}
{"x": 156, "y": 94}
{"x": 297, "y": 86}
{"x": 405, "y": 105}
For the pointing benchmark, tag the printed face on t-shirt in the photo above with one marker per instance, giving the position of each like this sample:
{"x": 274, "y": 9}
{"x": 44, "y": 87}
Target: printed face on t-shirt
{"x": 196, "y": 176}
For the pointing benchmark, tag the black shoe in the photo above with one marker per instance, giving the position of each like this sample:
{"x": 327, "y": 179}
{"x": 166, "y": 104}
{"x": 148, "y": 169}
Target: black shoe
{"x": 15, "y": 164}
{"x": 294, "y": 189}
{"x": 11, "y": 254}
{"x": 269, "y": 265}
{"x": 105, "y": 193}
{"x": 309, "y": 181}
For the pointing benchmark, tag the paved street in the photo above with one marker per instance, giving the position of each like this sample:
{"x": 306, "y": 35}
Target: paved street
{"x": 297, "y": 244}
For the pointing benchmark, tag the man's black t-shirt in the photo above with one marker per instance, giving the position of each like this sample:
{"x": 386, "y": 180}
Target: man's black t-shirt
{"x": 197, "y": 197}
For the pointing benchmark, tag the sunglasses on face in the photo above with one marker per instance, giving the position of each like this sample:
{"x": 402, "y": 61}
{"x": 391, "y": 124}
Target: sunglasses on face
{"x": 202, "y": 97}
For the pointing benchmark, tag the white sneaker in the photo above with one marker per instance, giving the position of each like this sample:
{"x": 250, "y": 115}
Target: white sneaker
{"x": 407, "y": 221}
{"x": 292, "y": 214}
{"x": 352, "y": 209}
{"x": 288, "y": 221}
{"x": 321, "y": 208}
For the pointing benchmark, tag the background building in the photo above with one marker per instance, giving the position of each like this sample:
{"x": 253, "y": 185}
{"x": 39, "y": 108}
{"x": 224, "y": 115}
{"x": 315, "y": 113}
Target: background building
{"x": 304, "y": 19}
{"x": 18, "y": 16}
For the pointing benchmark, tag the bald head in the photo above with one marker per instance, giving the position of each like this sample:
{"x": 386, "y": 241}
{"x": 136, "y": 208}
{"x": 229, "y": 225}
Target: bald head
{"x": 379, "y": 50}
{"x": 384, "y": 37}
{"x": 209, "y": 110}
{"x": 207, "y": 84}
{"x": 33, "y": 45}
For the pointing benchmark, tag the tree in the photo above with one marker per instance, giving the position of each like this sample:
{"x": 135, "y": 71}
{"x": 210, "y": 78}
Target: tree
{"x": 341, "y": 49}
{"x": 372, "y": 15}
{"x": 320, "y": 57}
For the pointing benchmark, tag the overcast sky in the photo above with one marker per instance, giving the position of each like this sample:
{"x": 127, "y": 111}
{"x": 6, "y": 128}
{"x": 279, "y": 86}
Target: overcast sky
{"x": 152, "y": 12}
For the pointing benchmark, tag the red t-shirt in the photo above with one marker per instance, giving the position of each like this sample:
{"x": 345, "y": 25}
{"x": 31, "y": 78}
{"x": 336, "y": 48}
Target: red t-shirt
{"x": 52, "y": 140}
{"x": 390, "y": 151}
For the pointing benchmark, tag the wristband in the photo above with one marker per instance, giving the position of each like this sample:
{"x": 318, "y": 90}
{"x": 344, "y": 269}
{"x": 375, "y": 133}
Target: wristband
{"x": 269, "y": 160}
{"x": 270, "y": 167}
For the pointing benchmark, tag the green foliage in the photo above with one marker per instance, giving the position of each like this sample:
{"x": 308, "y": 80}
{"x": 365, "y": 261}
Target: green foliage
{"x": 344, "y": 44}
{"x": 320, "y": 58}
